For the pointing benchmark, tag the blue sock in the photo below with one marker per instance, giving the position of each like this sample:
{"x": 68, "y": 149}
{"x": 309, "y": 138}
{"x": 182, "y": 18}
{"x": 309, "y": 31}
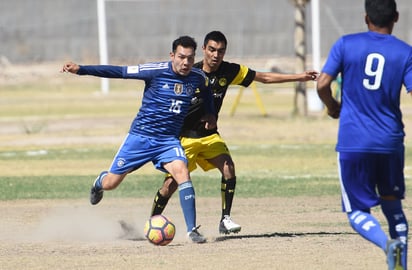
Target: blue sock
{"x": 187, "y": 202}
{"x": 368, "y": 227}
{"x": 98, "y": 182}
{"x": 398, "y": 225}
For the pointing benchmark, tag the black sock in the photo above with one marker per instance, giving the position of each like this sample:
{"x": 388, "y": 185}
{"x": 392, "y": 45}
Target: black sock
{"x": 228, "y": 192}
{"x": 159, "y": 204}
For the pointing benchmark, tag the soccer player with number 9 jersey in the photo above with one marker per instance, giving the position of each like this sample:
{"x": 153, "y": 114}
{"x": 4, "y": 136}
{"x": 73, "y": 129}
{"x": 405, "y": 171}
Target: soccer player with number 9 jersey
{"x": 374, "y": 65}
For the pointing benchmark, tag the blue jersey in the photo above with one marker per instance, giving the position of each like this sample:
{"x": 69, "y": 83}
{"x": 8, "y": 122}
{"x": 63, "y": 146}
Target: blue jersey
{"x": 373, "y": 67}
{"x": 167, "y": 96}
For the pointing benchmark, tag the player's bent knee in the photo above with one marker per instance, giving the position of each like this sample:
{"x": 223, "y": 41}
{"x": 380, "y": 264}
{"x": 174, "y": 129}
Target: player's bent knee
{"x": 169, "y": 187}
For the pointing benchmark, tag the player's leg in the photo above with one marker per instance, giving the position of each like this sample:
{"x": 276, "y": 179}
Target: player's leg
{"x": 226, "y": 166}
{"x": 397, "y": 222}
{"x": 368, "y": 227}
{"x": 169, "y": 184}
{"x": 177, "y": 168}
{"x": 215, "y": 154}
{"x": 391, "y": 187}
{"x": 172, "y": 159}
{"x": 180, "y": 173}
{"x": 357, "y": 173}
{"x": 105, "y": 181}
{"x": 163, "y": 195}
{"x": 131, "y": 155}
{"x": 227, "y": 189}
{"x": 398, "y": 226}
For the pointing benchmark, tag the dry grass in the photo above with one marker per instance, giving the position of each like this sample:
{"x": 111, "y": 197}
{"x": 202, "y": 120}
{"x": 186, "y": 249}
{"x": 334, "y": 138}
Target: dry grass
{"x": 43, "y": 109}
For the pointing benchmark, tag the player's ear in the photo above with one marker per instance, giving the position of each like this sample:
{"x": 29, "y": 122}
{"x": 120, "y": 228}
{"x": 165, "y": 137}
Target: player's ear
{"x": 366, "y": 19}
{"x": 396, "y": 17}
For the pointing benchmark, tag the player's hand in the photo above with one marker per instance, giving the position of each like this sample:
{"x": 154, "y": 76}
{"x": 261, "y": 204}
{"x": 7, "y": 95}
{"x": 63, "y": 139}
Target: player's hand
{"x": 70, "y": 67}
{"x": 310, "y": 75}
{"x": 209, "y": 120}
{"x": 335, "y": 111}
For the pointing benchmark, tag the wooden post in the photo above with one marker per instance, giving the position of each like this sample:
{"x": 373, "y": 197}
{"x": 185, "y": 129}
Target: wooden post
{"x": 300, "y": 100}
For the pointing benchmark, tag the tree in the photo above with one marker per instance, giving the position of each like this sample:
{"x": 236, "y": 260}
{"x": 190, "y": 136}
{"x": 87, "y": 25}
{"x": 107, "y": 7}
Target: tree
{"x": 300, "y": 99}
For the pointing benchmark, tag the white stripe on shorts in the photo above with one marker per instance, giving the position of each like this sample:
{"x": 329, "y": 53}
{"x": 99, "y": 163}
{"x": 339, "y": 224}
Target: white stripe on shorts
{"x": 346, "y": 203}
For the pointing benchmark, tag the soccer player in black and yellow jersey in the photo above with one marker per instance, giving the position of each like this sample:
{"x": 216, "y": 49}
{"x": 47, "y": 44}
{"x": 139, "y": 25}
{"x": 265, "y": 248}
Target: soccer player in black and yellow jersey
{"x": 205, "y": 147}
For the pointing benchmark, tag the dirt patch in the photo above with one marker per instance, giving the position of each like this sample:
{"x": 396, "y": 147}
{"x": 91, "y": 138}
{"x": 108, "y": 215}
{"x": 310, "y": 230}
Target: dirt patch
{"x": 277, "y": 233}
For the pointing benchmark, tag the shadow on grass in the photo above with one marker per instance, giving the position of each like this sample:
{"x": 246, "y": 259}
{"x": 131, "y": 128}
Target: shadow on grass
{"x": 270, "y": 235}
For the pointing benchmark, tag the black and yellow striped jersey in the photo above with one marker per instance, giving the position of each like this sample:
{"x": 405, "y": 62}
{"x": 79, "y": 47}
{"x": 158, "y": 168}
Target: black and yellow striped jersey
{"x": 227, "y": 74}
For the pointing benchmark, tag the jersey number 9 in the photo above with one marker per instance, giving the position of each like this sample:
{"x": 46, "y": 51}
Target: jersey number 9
{"x": 374, "y": 70}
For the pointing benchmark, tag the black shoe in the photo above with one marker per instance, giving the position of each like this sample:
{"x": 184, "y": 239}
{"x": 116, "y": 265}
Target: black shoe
{"x": 196, "y": 237}
{"x": 95, "y": 195}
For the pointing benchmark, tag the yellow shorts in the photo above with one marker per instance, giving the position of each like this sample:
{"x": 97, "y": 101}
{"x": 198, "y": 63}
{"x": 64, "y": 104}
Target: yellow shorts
{"x": 199, "y": 150}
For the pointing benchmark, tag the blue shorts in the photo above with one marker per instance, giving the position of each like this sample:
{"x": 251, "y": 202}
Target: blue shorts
{"x": 364, "y": 177}
{"x": 137, "y": 150}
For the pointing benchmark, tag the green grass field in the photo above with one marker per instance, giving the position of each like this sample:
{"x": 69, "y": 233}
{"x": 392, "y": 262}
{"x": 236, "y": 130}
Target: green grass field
{"x": 70, "y": 179}
{"x": 58, "y": 134}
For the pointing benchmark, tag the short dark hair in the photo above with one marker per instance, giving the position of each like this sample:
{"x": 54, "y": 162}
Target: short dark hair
{"x": 381, "y": 12}
{"x": 185, "y": 42}
{"x": 215, "y": 36}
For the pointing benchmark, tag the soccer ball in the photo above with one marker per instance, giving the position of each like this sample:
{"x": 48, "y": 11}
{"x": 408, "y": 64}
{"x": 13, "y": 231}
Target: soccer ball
{"x": 159, "y": 230}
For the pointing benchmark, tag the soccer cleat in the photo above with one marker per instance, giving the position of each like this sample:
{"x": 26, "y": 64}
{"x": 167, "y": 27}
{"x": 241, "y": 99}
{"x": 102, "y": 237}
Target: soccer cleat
{"x": 195, "y": 236}
{"x": 227, "y": 226}
{"x": 394, "y": 252}
{"x": 96, "y": 194}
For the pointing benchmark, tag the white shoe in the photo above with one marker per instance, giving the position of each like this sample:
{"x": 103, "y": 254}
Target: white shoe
{"x": 227, "y": 226}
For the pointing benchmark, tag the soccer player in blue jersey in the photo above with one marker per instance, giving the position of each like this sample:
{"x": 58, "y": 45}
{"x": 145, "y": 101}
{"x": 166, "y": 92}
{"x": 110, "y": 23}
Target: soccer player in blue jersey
{"x": 206, "y": 148}
{"x": 170, "y": 89}
{"x": 374, "y": 66}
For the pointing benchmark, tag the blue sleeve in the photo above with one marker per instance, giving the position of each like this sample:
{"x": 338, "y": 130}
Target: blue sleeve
{"x": 408, "y": 74}
{"x": 105, "y": 71}
{"x": 333, "y": 65}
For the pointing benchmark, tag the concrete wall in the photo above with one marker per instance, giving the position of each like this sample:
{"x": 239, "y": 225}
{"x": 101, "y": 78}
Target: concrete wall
{"x": 55, "y": 30}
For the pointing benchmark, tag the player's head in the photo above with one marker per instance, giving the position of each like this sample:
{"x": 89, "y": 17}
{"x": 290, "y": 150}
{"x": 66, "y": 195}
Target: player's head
{"x": 185, "y": 42}
{"x": 214, "y": 49}
{"x": 183, "y": 55}
{"x": 215, "y": 36}
{"x": 381, "y": 13}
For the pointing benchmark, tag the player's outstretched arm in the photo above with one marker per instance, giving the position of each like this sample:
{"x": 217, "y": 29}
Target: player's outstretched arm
{"x": 325, "y": 94}
{"x": 104, "y": 71}
{"x": 273, "y": 77}
{"x": 70, "y": 67}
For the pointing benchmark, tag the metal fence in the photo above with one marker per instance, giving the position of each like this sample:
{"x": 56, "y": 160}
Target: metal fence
{"x": 55, "y": 30}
